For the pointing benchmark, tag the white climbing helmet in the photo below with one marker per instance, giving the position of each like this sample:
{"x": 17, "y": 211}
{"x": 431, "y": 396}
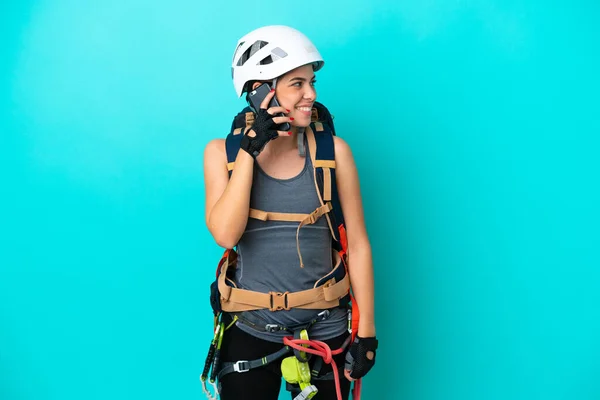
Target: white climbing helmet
{"x": 269, "y": 52}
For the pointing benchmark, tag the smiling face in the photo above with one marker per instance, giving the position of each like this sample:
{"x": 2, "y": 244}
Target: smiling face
{"x": 295, "y": 91}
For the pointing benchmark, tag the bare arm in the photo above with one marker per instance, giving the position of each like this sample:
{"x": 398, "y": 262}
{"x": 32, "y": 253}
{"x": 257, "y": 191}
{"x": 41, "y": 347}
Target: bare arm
{"x": 227, "y": 201}
{"x": 360, "y": 262}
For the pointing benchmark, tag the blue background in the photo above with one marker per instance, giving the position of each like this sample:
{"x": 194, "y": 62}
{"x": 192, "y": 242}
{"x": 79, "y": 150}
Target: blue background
{"x": 474, "y": 125}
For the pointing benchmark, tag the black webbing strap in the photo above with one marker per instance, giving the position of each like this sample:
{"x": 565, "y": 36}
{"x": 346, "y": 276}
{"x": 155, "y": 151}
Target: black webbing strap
{"x": 245, "y": 366}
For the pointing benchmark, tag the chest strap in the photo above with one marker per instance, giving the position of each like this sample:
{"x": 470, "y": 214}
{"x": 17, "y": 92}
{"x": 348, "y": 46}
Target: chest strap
{"x": 304, "y": 219}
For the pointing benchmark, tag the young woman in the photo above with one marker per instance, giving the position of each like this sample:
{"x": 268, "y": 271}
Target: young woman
{"x": 272, "y": 173}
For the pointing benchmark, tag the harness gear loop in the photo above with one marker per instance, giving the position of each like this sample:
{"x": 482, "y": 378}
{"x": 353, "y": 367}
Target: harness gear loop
{"x": 259, "y": 324}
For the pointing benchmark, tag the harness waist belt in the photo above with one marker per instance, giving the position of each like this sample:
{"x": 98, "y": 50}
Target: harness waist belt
{"x": 321, "y": 297}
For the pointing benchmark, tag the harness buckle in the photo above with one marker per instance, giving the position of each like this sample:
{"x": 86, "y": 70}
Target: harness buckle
{"x": 273, "y": 328}
{"x": 322, "y": 316}
{"x": 238, "y": 368}
{"x": 279, "y": 301}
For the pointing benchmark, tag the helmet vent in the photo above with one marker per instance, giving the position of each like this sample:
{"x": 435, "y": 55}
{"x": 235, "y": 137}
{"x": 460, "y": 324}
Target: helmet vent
{"x": 276, "y": 54}
{"x": 266, "y": 60}
{"x": 235, "y": 53}
{"x": 259, "y": 44}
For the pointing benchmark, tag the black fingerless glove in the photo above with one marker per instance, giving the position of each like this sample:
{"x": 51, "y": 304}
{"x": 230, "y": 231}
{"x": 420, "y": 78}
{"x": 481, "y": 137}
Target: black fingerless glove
{"x": 265, "y": 130}
{"x": 357, "y": 361}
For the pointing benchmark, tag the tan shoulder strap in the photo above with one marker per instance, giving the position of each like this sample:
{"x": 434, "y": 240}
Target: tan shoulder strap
{"x": 318, "y": 126}
{"x": 312, "y": 147}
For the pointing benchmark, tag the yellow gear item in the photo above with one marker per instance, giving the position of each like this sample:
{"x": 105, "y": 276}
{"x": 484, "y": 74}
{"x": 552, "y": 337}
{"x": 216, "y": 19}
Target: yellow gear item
{"x": 295, "y": 371}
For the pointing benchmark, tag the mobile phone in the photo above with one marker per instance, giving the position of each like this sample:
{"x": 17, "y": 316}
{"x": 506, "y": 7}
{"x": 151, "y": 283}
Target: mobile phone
{"x": 256, "y": 98}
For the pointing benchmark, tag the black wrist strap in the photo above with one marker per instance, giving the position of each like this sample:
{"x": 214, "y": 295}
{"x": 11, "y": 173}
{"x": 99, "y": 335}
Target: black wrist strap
{"x": 250, "y": 146}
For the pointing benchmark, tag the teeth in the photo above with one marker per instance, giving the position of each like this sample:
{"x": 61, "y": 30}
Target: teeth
{"x": 304, "y": 108}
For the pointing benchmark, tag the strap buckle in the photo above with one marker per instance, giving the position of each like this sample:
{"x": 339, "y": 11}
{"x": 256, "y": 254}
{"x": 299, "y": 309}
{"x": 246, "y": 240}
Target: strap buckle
{"x": 306, "y": 393}
{"x": 244, "y": 368}
{"x": 322, "y": 316}
{"x": 249, "y": 119}
{"x": 273, "y": 328}
{"x": 279, "y": 301}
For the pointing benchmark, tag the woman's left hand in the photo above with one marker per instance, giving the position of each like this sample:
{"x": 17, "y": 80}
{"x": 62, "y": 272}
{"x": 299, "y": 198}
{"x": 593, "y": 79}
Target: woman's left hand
{"x": 360, "y": 358}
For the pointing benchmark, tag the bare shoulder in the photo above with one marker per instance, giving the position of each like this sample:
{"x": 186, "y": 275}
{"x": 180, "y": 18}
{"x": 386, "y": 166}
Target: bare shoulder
{"x": 215, "y": 161}
{"x": 343, "y": 153}
{"x": 215, "y": 149}
{"x": 338, "y": 142}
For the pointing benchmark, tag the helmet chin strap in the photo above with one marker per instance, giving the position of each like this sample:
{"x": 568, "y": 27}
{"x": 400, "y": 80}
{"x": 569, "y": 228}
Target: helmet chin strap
{"x": 301, "y": 145}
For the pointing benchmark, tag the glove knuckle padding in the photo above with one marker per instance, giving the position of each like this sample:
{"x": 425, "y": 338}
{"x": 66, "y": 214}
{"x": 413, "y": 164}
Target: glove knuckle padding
{"x": 263, "y": 128}
{"x": 357, "y": 361}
